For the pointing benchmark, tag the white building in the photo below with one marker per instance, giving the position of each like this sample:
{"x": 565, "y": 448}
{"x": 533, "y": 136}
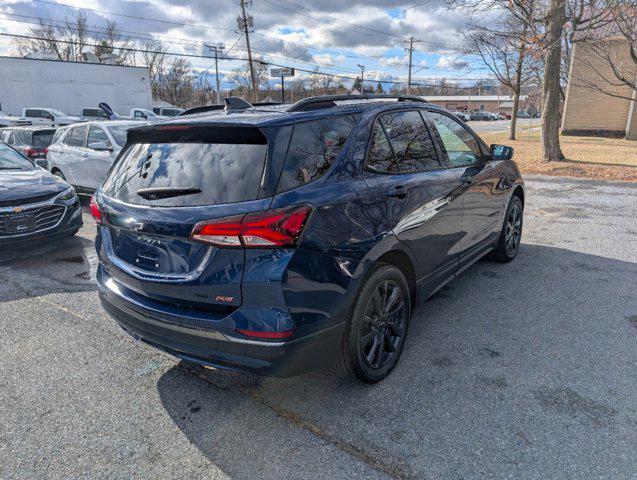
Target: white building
{"x": 71, "y": 86}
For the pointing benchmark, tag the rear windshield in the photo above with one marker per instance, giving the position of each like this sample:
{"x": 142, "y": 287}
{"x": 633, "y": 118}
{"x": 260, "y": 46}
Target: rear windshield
{"x": 43, "y": 139}
{"x": 199, "y": 173}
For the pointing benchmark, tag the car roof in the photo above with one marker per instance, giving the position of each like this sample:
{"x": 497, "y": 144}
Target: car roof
{"x": 112, "y": 123}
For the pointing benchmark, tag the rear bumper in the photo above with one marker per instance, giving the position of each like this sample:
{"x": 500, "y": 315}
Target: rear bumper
{"x": 217, "y": 345}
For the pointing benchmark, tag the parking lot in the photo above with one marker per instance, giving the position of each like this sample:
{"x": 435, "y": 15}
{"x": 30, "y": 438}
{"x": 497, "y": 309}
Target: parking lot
{"x": 521, "y": 370}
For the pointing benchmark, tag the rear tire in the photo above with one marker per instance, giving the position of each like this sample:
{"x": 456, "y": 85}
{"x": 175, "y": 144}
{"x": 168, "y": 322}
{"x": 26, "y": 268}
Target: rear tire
{"x": 375, "y": 334}
{"x": 511, "y": 233}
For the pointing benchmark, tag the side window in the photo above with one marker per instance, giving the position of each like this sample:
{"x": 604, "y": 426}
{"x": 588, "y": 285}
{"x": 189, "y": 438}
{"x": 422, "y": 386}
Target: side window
{"x": 401, "y": 143}
{"x": 75, "y": 138}
{"x": 461, "y": 146}
{"x": 381, "y": 156}
{"x": 313, "y": 148}
{"x": 96, "y": 134}
{"x": 139, "y": 114}
{"x": 32, "y": 113}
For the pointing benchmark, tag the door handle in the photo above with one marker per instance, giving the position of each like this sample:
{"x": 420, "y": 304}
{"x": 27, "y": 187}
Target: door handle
{"x": 398, "y": 192}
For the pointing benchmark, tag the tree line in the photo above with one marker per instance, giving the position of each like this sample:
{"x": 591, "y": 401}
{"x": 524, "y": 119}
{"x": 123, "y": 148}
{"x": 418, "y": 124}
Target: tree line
{"x": 526, "y": 45}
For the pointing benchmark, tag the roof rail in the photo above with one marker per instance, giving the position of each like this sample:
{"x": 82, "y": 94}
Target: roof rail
{"x": 231, "y": 103}
{"x": 329, "y": 101}
{"x": 205, "y": 108}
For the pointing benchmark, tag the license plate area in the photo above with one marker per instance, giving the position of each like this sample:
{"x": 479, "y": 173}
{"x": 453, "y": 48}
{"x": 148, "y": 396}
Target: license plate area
{"x": 20, "y": 223}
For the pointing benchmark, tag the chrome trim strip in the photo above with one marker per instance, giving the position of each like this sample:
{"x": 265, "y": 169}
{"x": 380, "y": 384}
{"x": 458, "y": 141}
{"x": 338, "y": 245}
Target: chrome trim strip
{"x": 140, "y": 274}
{"x": 31, "y": 206}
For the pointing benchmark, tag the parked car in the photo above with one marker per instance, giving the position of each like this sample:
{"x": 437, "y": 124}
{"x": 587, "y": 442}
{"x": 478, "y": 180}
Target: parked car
{"x": 143, "y": 114}
{"x": 168, "y": 111}
{"x": 89, "y": 114}
{"x": 48, "y": 116}
{"x": 33, "y": 142}
{"x": 504, "y": 116}
{"x": 280, "y": 242}
{"x": 84, "y": 153}
{"x": 9, "y": 121}
{"x": 478, "y": 116}
{"x": 522, "y": 114}
{"x": 465, "y": 116}
{"x": 33, "y": 203}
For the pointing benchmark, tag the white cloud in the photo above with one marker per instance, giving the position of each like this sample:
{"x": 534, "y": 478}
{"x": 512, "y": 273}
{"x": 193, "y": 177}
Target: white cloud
{"x": 452, "y": 62}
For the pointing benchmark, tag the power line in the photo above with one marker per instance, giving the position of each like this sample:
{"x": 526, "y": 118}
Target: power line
{"x": 190, "y": 55}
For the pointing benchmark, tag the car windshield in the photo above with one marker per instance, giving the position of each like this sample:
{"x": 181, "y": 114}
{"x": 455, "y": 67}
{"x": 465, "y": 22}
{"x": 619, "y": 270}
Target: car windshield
{"x": 12, "y": 160}
{"x": 57, "y": 113}
{"x": 119, "y": 133}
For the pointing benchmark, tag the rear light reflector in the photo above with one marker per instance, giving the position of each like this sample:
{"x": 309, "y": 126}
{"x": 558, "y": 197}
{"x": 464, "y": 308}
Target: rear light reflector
{"x": 266, "y": 335}
{"x": 96, "y": 213}
{"x": 268, "y": 229}
{"x": 35, "y": 152}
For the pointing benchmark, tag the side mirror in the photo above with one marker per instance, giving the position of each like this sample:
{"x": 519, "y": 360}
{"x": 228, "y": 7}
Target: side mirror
{"x": 98, "y": 146}
{"x": 501, "y": 152}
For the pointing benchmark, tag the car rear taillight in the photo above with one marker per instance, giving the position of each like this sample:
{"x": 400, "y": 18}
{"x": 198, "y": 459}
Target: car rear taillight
{"x": 35, "y": 152}
{"x": 268, "y": 229}
{"x": 96, "y": 213}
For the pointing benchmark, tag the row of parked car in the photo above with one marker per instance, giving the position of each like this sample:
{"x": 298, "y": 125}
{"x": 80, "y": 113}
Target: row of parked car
{"x": 52, "y": 117}
{"x": 488, "y": 116}
{"x": 81, "y": 153}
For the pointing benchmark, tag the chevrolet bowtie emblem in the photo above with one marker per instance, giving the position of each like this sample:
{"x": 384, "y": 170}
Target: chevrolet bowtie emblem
{"x": 18, "y": 210}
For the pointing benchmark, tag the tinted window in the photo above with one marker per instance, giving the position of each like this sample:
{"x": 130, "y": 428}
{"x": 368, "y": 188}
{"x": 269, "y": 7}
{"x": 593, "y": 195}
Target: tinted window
{"x": 411, "y": 141}
{"x": 96, "y": 134}
{"x": 461, "y": 146}
{"x": 75, "y": 137}
{"x": 313, "y": 148}
{"x": 412, "y": 148}
{"x": 42, "y": 138}
{"x": 21, "y": 137}
{"x": 224, "y": 173}
{"x": 12, "y": 160}
{"x": 381, "y": 156}
{"x": 32, "y": 113}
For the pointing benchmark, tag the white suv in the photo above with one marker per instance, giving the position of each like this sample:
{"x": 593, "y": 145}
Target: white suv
{"x": 49, "y": 117}
{"x": 83, "y": 154}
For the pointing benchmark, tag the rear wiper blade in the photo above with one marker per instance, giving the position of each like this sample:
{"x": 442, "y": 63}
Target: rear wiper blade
{"x": 158, "y": 193}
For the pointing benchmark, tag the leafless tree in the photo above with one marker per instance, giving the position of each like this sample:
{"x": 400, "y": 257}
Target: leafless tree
{"x": 503, "y": 50}
{"x": 176, "y": 82}
{"x": 243, "y": 81}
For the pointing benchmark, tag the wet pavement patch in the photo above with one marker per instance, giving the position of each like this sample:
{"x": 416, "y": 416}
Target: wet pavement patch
{"x": 568, "y": 401}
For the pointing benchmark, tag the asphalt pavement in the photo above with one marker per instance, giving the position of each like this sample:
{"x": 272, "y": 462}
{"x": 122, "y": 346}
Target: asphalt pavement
{"x": 522, "y": 371}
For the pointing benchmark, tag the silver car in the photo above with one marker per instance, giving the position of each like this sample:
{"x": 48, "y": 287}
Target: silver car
{"x": 83, "y": 153}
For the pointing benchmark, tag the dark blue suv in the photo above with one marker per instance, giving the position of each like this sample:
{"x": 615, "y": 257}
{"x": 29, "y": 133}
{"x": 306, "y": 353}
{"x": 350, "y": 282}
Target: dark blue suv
{"x": 279, "y": 239}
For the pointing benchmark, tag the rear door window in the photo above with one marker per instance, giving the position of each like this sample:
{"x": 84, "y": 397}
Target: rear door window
{"x": 401, "y": 143}
{"x": 98, "y": 135}
{"x": 313, "y": 148}
{"x": 76, "y": 137}
{"x": 204, "y": 173}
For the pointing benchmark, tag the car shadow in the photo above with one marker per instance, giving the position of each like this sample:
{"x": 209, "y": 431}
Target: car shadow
{"x": 49, "y": 266}
{"x": 503, "y": 354}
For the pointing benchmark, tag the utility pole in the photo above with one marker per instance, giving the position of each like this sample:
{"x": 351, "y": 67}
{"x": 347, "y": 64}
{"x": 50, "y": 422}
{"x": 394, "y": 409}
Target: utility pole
{"x": 362, "y": 67}
{"x": 410, "y": 49}
{"x": 217, "y": 49}
{"x": 245, "y": 23}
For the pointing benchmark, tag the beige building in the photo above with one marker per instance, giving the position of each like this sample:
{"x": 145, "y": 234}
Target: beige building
{"x": 597, "y": 103}
{"x": 474, "y": 103}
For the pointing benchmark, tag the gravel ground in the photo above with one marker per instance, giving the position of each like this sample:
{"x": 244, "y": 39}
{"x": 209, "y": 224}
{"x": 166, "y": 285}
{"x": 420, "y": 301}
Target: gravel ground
{"x": 525, "y": 370}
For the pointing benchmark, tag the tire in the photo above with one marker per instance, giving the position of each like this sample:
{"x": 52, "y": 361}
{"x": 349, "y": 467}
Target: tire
{"x": 373, "y": 343}
{"x": 511, "y": 233}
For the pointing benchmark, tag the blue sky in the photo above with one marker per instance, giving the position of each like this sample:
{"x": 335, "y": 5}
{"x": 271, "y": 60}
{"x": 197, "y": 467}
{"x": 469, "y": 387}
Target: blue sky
{"x": 331, "y": 35}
